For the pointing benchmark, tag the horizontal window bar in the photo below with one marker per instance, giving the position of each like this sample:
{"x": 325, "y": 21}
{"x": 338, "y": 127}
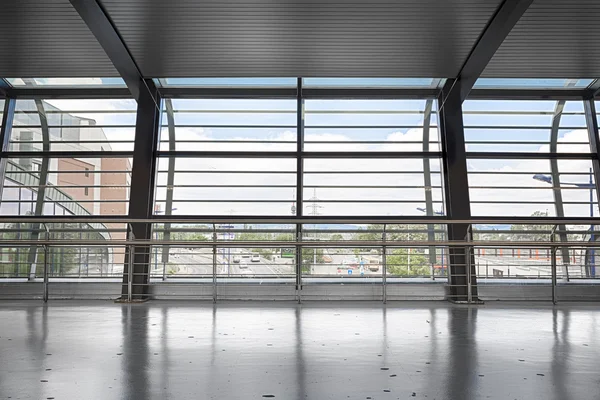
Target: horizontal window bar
{"x": 164, "y": 171}
{"x": 71, "y": 172}
{"x": 233, "y": 126}
{"x": 132, "y": 111}
{"x": 512, "y": 127}
{"x": 178, "y": 141}
{"x": 529, "y": 155}
{"x": 587, "y": 174}
{"x": 531, "y": 187}
{"x": 66, "y": 154}
{"x": 306, "y": 154}
{"x": 15, "y": 126}
{"x": 225, "y": 186}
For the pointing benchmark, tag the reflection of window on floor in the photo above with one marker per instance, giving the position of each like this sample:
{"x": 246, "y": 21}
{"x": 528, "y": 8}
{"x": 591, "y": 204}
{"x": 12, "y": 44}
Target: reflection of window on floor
{"x": 498, "y": 273}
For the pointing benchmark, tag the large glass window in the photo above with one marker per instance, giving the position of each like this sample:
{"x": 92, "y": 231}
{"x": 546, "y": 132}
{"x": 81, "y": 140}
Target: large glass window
{"x": 367, "y": 184}
{"x": 226, "y": 183}
{"x": 71, "y": 158}
{"x": 528, "y": 184}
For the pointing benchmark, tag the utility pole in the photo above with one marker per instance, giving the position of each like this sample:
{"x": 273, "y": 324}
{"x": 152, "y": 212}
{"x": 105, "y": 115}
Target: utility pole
{"x": 314, "y": 211}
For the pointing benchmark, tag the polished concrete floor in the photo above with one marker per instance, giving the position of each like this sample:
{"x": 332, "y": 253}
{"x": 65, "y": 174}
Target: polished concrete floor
{"x": 175, "y": 350}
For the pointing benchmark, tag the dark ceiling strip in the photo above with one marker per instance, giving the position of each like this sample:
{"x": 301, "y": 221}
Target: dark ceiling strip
{"x": 105, "y": 32}
{"x": 506, "y": 17}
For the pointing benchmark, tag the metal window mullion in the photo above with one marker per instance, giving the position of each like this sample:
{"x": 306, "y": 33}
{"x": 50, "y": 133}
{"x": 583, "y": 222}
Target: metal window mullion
{"x": 456, "y": 184}
{"x": 592, "y": 127}
{"x": 170, "y": 179}
{"x": 554, "y": 171}
{"x": 141, "y": 199}
{"x": 5, "y": 133}
{"x": 299, "y": 184}
{"x": 427, "y": 177}
{"x": 43, "y": 184}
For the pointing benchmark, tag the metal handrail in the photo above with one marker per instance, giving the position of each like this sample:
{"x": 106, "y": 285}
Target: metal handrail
{"x": 306, "y": 243}
{"x": 302, "y": 220}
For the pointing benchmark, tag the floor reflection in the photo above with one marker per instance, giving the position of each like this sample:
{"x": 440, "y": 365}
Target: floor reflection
{"x": 136, "y": 352}
{"x": 462, "y": 376}
{"x": 308, "y": 351}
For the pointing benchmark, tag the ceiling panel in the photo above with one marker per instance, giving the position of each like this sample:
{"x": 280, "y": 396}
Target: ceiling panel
{"x": 47, "y": 38}
{"x": 342, "y": 38}
{"x": 553, "y": 39}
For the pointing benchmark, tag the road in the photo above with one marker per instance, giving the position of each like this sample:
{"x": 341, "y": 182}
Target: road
{"x": 198, "y": 262}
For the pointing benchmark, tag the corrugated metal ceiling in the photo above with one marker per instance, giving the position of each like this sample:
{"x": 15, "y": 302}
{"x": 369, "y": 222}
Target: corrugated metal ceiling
{"x": 251, "y": 38}
{"x": 378, "y": 38}
{"x": 48, "y": 39}
{"x": 553, "y": 39}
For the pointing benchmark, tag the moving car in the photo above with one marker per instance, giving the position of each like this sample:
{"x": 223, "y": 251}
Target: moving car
{"x": 255, "y": 257}
{"x": 237, "y": 259}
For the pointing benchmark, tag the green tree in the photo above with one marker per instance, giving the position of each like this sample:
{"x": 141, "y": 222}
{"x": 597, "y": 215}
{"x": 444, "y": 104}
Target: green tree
{"x": 308, "y": 257}
{"x": 534, "y": 232}
{"x": 400, "y": 264}
{"x": 336, "y": 237}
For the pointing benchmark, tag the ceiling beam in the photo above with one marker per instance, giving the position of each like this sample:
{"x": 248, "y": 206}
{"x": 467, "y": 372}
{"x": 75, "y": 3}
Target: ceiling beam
{"x": 99, "y": 23}
{"x": 4, "y": 87}
{"x": 593, "y": 90}
{"x": 497, "y": 29}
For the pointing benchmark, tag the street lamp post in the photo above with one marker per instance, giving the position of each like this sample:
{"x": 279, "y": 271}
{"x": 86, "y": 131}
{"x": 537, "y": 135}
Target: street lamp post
{"x": 441, "y": 213}
{"x": 159, "y": 211}
{"x": 591, "y": 187}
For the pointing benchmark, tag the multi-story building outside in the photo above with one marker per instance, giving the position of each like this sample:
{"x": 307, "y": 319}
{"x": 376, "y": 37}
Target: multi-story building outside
{"x": 74, "y": 185}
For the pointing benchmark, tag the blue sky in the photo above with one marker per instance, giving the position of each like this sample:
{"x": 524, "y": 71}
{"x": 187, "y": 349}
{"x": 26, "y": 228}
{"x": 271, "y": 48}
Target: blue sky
{"x": 403, "y": 127}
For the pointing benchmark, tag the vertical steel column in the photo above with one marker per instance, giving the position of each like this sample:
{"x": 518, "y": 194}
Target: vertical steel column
{"x": 592, "y": 127}
{"x": 41, "y": 189}
{"x": 430, "y": 212}
{"x": 555, "y": 173}
{"x": 7, "y": 122}
{"x": 456, "y": 187}
{"x": 299, "y": 184}
{"x": 384, "y": 265}
{"x": 141, "y": 199}
{"x": 214, "y": 264}
{"x": 46, "y": 253}
{"x": 170, "y": 182}
{"x": 553, "y": 265}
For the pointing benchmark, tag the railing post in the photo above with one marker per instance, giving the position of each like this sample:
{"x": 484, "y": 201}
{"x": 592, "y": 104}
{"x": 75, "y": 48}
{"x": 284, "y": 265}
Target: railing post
{"x": 298, "y": 264}
{"x": 46, "y": 252}
{"x": 553, "y": 265}
{"x": 214, "y": 264}
{"x": 469, "y": 286}
{"x": 130, "y": 273}
{"x": 384, "y": 265}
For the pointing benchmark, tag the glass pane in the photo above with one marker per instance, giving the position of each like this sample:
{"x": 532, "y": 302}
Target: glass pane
{"x": 66, "y": 82}
{"x": 74, "y": 125}
{"x": 373, "y": 82}
{"x": 224, "y": 186}
{"x": 229, "y": 125}
{"x": 72, "y": 186}
{"x": 370, "y": 125}
{"x": 525, "y": 126}
{"x": 227, "y": 82}
{"x": 366, "y": 186}
{"x": 527, "y": 83}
